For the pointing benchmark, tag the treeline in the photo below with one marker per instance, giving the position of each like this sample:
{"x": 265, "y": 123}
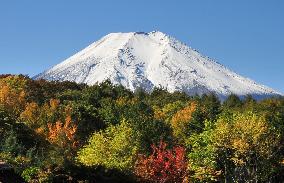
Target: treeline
{"x": 68, "y": 132}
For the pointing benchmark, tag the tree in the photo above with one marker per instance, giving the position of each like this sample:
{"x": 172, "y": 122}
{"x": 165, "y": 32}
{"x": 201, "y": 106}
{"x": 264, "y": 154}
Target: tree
{"x": 181, "y": 123}
{"x": 250, "y": 143}
{"x": 202, "y": 155}
{"x": 211, "y": 106}
{"x": 166, "y": 112}
{"x": 114, "y": 148}
{"x": 37, "y": 117}
{"x": 62, "y": 134}
{"x": 12, "y": 95}
{"x": 163, "y": 165}
{"x": 233, "y": 101}
{"x": 31, "y": 115}
{"x": 249, "y": 102}
{"x": 140, "y": 117}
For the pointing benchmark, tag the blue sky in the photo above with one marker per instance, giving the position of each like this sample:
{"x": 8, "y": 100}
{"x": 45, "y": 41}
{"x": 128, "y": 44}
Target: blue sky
{"x": 245, "y": 35}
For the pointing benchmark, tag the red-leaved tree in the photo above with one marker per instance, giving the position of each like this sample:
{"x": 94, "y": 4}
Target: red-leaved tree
{"x": 163, "y": 165}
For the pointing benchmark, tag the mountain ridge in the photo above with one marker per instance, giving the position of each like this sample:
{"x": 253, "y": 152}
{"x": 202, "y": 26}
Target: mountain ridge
{"x": 154, "y": 59}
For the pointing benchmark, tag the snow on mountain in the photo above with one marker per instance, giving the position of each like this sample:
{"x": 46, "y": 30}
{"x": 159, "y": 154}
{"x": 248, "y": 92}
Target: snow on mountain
{"x": 149, "y": 60}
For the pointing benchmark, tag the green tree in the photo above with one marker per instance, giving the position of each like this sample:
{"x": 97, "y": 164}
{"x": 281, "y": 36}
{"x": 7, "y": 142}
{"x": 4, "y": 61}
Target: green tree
{"x": 233, "y": 101}
{"x": 202, "y": 156}
{"x": 211, "y": 106}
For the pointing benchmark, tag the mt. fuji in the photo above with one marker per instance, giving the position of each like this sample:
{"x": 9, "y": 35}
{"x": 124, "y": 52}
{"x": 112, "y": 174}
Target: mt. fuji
{"x": 148, "y": 60}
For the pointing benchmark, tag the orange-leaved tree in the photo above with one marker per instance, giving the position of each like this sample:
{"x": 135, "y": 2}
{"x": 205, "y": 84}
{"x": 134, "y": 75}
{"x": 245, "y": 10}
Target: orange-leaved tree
{"x": 62, "y": 134}
{"x": 181, "y": 122}
{"x": 12, "y": 95}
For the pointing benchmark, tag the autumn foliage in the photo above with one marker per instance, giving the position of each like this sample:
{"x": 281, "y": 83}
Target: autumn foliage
{"x": 53, "y": 131}
{"x": 12, "y": 99}
{"x": 181, "y": 121}
{"x": 62, "y": 134}
{"x": 163, "y": 165}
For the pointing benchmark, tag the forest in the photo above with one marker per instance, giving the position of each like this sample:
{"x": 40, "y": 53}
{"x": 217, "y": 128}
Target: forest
{"x": 66, "y": 132}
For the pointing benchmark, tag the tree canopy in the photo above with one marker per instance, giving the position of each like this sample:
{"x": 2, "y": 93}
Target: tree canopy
{"x": 68, "y": 132}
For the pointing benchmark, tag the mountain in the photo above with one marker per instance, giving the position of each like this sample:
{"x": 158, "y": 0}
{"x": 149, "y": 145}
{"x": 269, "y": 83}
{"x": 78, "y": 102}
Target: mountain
{"x": 154, "y": 59}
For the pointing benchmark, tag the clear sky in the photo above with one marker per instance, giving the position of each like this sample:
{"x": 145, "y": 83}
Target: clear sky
{"x": 245, "y": 35}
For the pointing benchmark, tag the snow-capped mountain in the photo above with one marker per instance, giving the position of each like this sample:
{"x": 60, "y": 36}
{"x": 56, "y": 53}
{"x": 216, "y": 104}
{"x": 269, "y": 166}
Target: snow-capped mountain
{"x": 149, "y": 60}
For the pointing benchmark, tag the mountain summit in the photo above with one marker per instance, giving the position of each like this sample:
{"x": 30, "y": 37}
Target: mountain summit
{"x": 148, "y": 60}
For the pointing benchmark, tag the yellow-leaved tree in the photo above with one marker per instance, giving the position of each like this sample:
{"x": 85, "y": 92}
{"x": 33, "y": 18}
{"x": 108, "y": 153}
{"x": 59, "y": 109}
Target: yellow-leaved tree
{"x": 249, "y": 142}
{"x": 114, "y": 148}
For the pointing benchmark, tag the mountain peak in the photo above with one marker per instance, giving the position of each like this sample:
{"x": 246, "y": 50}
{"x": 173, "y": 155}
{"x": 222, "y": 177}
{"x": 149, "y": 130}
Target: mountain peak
{"x": 154, "y": 59}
